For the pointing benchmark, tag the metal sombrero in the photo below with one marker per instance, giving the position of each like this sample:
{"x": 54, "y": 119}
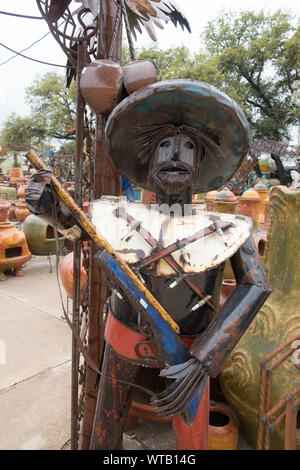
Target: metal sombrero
{"x": 179, "y": 102}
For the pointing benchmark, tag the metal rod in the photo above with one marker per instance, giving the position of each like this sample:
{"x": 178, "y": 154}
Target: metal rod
{"x": 77, "y": 254}
{"x": 290, "y": 425}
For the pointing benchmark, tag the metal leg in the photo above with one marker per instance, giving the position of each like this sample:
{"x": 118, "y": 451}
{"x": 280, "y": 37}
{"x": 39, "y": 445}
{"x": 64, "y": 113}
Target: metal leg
{"x": 114, "y": 399}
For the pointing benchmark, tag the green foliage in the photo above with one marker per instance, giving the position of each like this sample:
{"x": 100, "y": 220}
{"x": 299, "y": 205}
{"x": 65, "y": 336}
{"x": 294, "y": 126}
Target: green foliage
{"x": 53, "y": 114}
{"x": 53, "y": 104}
{"x": 253, "y": 57}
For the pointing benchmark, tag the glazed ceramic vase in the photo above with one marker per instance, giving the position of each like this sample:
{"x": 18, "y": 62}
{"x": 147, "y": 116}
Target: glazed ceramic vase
{"x": 40, "y": 236}
{"x": 14, "y": 251}
{"x": 277, "y": 321}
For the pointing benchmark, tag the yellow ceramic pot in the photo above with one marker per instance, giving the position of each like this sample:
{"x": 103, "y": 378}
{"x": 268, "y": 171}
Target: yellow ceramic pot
{"x": 223, "y": 429}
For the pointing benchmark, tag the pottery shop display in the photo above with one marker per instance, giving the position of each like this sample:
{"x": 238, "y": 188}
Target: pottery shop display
{"x": 21, "y": 209}
{"x": 14, "y": 251}
{"x": 276, "y": 322}
{"x": 40, "y": 236}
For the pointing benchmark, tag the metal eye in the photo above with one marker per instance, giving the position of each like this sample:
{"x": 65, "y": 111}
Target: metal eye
{"x": 189, "y": 145}
{"x": 165, "y": 143}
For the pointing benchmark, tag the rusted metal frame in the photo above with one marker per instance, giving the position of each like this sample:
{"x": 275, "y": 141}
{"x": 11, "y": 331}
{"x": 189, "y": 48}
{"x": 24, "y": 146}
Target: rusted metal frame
{"x": 167, "y": 258}
{"x": 77, "y": 251}
{"x": 265, "y": 390}
{"x": 174, "y": 246}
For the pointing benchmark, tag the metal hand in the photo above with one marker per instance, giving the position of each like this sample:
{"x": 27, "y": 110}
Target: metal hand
{"x": 190, "y": 379}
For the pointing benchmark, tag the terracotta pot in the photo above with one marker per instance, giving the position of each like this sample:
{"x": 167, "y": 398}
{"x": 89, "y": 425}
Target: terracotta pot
{"x": 14, "y": 173}
{"x": 21, "y": 210}
{"x": 14, "y": 251}
{"x": 40, "y": 236}
{"x": 4, "y": 211}
{"x": 223, "y": 429}
{"x": 66, "y": 274}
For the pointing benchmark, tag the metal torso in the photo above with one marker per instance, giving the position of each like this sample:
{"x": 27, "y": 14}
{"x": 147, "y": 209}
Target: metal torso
{"x": 201, "y": 262}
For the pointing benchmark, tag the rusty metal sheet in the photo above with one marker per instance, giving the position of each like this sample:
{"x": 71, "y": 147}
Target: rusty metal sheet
{"x": 203, "y": 254}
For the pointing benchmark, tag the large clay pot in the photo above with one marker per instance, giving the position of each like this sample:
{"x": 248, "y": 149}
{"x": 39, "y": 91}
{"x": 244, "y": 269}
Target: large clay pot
{"x": 14, "y": 251}
{"x": 223, "y": 431}
{"x": 66, "y": 273}
{"x": 40, "y": 236}
{"x": 277, "y": 321}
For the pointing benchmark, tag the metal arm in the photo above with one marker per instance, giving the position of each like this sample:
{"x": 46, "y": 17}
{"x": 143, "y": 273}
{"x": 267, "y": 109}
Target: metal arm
{"x": 223, "y": 333}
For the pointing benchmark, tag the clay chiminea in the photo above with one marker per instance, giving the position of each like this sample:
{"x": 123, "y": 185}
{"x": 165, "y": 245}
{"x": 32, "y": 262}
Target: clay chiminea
{"x": 40, "y": 236}
{"x": 14, "y": 251}
{"x": 21, "y": 210}
{"x": 225, "y": 202}
{"x": 277, "y": 322}
{"x": 249, "y": 205}
{"x": 209, "y": 200}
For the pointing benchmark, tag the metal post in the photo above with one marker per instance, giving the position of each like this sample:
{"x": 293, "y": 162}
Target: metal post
{"x": 77, "y": 254}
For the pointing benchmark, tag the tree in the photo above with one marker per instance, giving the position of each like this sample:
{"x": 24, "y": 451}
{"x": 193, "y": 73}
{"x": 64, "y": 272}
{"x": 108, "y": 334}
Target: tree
{"x": 54, "y": 105}
{"x": 53, "y": 114}
{"x": 259, "y": 56}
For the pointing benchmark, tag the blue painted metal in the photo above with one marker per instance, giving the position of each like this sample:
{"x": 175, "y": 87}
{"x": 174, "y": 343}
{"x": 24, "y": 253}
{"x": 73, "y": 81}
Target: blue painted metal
{"x": 170, "y": 346}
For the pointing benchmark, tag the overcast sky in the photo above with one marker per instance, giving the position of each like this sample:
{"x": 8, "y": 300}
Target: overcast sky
{"x": 17, "y": 33}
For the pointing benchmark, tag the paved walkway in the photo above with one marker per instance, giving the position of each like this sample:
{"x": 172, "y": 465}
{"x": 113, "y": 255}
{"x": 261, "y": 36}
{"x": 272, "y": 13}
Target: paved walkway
{"x": 35, "y": 364}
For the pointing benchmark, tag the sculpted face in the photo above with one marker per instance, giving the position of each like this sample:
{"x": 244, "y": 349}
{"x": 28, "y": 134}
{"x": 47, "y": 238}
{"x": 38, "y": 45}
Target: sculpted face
{"x": 175, "y": 162}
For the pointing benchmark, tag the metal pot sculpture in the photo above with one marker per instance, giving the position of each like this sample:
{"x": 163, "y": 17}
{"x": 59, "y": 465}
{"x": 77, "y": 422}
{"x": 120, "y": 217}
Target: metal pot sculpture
{"x": 277, "y": 321}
